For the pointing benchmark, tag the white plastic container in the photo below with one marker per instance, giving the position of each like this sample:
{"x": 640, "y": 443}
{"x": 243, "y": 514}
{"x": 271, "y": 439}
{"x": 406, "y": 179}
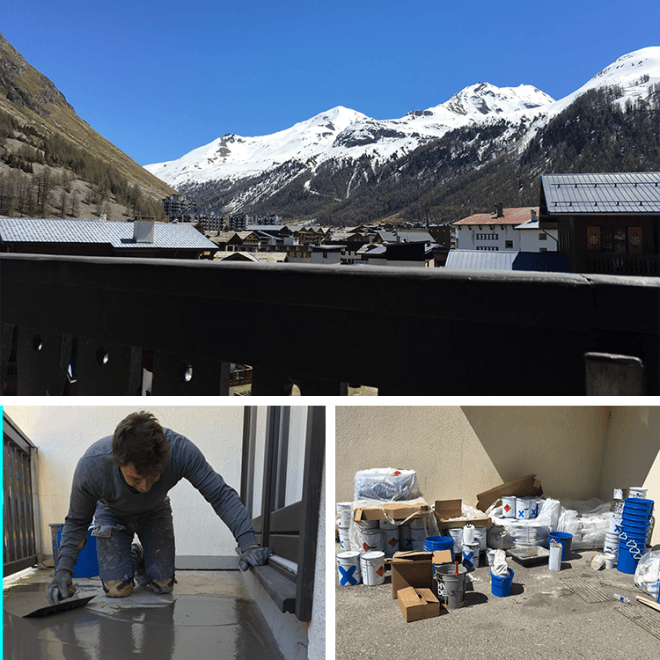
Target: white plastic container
{"x": 468, "y": 534}
{"x": 638, "y": 492}
{"x": 554, "y": 562}
{"x": 344, "y": 542}
{"x": 344, "y": 521}
{"x": 348, "y": 568}
{"x": 525, "y": 508}
{"x": 457, "y": 534}
{"x": 471, "y": 555}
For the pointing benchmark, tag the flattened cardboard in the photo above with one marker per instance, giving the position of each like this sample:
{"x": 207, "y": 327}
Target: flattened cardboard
{"x": 448, "y": 513}
{"x": 411, "y": 569}
{"x": 417, "y": 604}
{"x": 524, "y": 487}
{"x": 395, "y": 510}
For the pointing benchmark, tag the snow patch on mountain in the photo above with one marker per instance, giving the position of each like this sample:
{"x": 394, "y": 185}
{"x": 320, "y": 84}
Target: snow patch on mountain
{"x": 345, "y": 135}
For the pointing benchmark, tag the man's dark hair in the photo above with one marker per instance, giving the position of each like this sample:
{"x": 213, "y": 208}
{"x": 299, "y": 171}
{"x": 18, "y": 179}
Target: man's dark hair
{"x": 139, "y": 439}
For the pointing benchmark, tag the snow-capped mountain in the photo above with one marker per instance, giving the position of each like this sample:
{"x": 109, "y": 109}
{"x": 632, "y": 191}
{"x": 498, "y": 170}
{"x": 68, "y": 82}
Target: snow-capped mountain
{"x": 342, "y": 133}
{"x": 244, "y": 171}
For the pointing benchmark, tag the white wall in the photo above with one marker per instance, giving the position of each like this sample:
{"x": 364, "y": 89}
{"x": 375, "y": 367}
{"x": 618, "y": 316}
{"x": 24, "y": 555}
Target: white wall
{"x": 466, "y": 237}
{"x": 531, "y": 241}
{"x": 63, "y": 433}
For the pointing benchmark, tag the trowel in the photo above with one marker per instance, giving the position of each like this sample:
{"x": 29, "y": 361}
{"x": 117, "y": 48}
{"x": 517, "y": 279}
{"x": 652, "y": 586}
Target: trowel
{"x": 66, "y": 604}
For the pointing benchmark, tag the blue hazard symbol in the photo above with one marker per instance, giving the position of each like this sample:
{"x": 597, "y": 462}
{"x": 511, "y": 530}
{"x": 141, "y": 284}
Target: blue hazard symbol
{"x": 346, "y": 576}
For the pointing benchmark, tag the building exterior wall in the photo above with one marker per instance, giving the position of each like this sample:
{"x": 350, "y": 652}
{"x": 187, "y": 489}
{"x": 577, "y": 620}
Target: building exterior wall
{"x": 487, "y": 237}
{"x": 538, "y": 240}
{"x": 577, "y": 452}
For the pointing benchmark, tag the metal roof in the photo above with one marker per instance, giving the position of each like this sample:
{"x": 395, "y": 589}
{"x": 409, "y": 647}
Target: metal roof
{"x": 513, "y": 216}
{"x": 117, "y": 234}
{"x": 627, "y": 192}
{"x": 480, "y": 259}
{"x": 554, "y": 262}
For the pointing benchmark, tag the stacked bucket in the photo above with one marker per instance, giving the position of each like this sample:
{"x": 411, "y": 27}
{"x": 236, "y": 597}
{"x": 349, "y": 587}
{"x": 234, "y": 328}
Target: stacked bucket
{"x": 635, "y": 525}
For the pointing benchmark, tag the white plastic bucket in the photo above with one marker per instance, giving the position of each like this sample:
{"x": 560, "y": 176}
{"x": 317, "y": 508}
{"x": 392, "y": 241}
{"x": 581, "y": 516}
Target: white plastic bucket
{"x": 614, "y": 521}
{"x": 405, "y": 541}
{"x": 390, "y": 537}
{"x": 348, "y": 568}
{"x": 372, "y": 539}
{"x": 457, "y": 534}
{"x": 344, "y": 543}
{"x": 638, "y": 492}
{"x": 609, "y": 560}
{"x": 509, "y": 506}
{"x": 344, "y": 521}
{"x": 618, "y": 494}
{"x": 481, "y": 537}
{"x": 471, "y": 555}
{"x": 468, "y": 534}
{"x": 342, "y": 506}
{"x": 524, "y": 508}
{"x": 373, "y": 568}
{"x": 417, "y": 537}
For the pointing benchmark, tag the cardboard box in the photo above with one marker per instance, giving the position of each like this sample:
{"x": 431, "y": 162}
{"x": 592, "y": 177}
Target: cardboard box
{"x": 417, "y": 604}
{"x": 528, "y": 486}
{"x": 411, "y": 569}
{"x": 415, "y": 569}
{"x": 395, "y": 510}
{"x": 449, "y": 513}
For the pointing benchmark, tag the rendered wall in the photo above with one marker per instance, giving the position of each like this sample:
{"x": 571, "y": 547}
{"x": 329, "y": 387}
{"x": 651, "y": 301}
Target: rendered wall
{"x": 459, "y": 452}
{"x": 63, "y": 433}
{"x": 632, "y": 455}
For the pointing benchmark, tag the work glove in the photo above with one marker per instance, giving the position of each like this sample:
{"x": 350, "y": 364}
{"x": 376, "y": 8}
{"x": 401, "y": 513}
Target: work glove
{"x": 253, "y": 556}
{"x": 60, "y": 588}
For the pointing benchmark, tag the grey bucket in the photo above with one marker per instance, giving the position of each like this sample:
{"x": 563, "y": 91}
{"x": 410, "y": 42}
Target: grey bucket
{"x": 451, "y": 587}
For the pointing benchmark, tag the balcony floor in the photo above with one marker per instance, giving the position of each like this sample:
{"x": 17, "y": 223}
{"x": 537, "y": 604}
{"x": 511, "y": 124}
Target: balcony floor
{"x": 210, "y": 614}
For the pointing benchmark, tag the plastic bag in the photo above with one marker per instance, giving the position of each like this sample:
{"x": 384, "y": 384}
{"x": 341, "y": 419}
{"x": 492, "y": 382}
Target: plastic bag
{"x": 586, "y": 521}
{"x": 647, "y": 573}
{"x": 517, "y": 532}
{"x": 355, "y": 532}
{"x": 387, "y": 484}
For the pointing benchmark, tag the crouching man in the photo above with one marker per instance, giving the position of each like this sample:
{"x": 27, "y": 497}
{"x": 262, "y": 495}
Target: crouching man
{"x": 122, "y": 483}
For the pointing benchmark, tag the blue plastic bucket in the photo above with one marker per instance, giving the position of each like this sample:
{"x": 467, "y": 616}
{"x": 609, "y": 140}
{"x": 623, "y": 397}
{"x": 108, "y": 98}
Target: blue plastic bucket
{"x": 626, "y": 562}
{"x": 565, "y": 539}
{"x": 87, "y": 564}
{"x": 638, "y": 504}
{"x": 432, "y": 543}
{"x": 501, "y": 586}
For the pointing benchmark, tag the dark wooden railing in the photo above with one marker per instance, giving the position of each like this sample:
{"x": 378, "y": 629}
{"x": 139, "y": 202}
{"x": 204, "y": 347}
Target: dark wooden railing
{"x": 625, "y": 264}
{"x": 405, "y": 331}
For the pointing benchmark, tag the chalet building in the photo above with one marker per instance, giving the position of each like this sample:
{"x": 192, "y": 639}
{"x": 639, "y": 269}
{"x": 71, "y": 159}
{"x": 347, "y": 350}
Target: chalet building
{"x": 103, "y": 239}
{"x": 496, "y": 231}
{"x": 607, "y": 223}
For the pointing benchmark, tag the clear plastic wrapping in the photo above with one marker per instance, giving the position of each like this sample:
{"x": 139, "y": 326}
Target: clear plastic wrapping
{"x": 647, "y": 573}
{"x": 387, "y": 484}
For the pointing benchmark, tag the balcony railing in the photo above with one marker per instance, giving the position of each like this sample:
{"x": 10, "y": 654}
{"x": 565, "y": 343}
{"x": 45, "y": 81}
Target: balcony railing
{"x": 404, "y": 331}
{"x": 625, "y": 264}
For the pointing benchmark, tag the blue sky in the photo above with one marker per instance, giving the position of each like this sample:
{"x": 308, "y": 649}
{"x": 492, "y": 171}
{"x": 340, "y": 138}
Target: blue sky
{"x": 159, "y": 79}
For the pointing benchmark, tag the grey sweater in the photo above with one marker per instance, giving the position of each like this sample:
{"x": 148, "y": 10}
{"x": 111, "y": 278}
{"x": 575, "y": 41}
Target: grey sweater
{"x": 97, "y": 478}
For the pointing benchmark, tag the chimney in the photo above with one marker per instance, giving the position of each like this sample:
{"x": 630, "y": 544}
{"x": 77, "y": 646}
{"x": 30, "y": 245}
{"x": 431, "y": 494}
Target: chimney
{"x": 499, "y": 210}
{"x": 534, "y": 215}
{"x": 143, "y": 231}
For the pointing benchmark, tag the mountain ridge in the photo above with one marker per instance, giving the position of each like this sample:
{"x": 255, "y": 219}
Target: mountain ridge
{"x": 309, "y": 177}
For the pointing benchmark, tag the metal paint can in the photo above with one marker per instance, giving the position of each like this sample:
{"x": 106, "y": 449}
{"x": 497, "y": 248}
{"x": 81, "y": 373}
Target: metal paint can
{"x": 373, "y": 568}
{"x": 372, "y": 539}
{"x": 390, "y": 537}
{"x": 509, "y": 506}
{"x": 417, "y": 537}
{"x": 471, "y": 555}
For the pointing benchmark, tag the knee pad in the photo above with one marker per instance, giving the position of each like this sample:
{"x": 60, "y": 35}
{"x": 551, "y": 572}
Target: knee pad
{"x": 117, "y": 589}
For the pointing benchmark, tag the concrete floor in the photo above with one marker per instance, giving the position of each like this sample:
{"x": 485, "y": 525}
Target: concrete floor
{"x": 542, "y": 618}
{"x": 209, "y": 615}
